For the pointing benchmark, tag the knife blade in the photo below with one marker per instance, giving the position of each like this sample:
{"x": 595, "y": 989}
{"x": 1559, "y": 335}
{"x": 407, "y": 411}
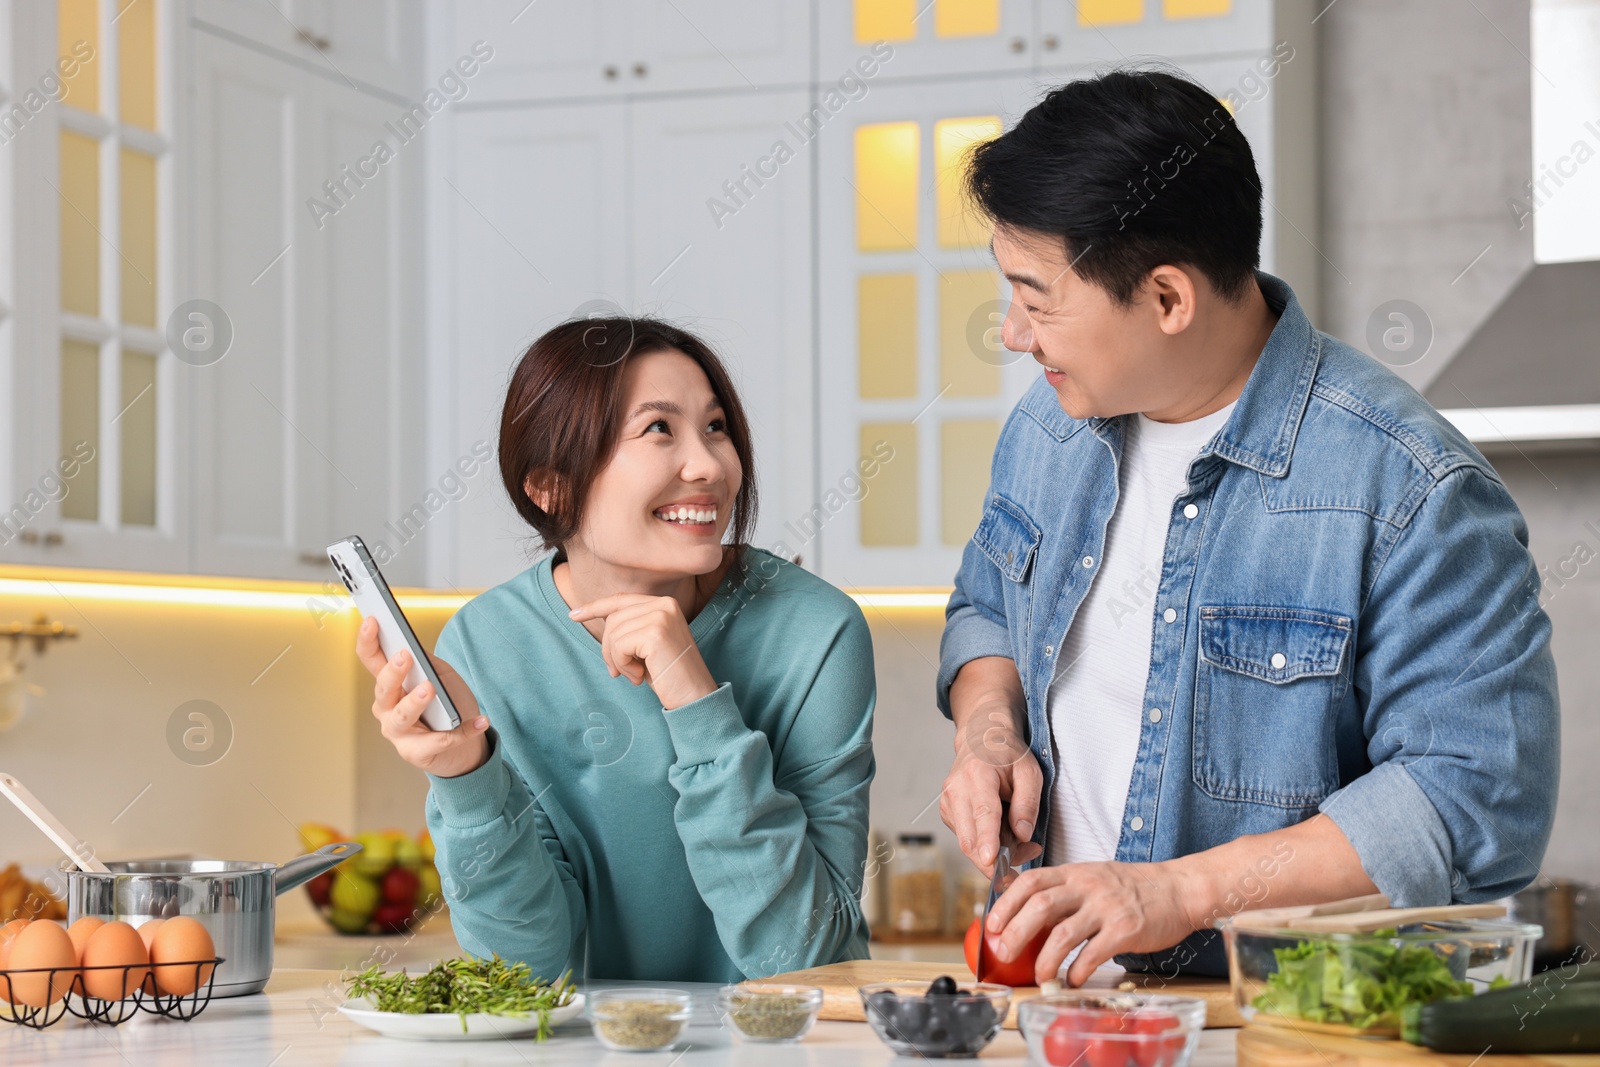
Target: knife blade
{"x": 1004, "y": 875}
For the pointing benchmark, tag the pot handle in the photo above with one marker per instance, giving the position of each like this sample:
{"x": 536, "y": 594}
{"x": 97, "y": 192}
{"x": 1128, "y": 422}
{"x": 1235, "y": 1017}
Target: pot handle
{"x": 302, "y": 869}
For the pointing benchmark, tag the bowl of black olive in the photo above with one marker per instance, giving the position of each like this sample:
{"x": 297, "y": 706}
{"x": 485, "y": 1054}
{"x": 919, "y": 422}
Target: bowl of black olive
{"x": 942, "y": 1019}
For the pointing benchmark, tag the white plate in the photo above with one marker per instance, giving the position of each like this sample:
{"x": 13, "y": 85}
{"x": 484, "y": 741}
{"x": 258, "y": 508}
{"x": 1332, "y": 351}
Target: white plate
{"x": 481, "y": 1026}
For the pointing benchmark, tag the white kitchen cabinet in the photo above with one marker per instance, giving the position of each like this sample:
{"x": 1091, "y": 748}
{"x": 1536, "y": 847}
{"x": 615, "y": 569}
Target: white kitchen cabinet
{"x": 929, "y": 39}
{"x": 532, "y": 203}
{"x": 1107, "y": 31}
{"x": 588, "y": 49}
{"x": 556, "y": 211}
{"x": 307, "y": 428}
{"x": 742, "y": 281}
{"x": 371, "y": 44}
{"x": 902, "y": 365}
{"x": 102, "y": 486}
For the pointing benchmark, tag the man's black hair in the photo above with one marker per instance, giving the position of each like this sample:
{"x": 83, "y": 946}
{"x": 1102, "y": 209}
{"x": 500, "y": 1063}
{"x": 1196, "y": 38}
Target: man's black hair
{"x": 1131, "y": 169}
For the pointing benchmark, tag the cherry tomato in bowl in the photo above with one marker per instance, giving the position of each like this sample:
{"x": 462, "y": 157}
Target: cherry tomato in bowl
{"x": 1080, "y": 1028}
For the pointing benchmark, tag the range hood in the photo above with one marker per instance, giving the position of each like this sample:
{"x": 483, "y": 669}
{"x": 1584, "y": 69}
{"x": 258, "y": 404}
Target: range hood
{"x": 1531, "y": 372}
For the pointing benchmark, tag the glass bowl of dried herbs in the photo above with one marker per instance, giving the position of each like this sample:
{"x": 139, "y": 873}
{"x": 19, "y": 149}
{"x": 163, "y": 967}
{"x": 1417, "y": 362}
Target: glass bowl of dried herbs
{"x": 767, "y": 1011}
{"x": 636, "y": 1019}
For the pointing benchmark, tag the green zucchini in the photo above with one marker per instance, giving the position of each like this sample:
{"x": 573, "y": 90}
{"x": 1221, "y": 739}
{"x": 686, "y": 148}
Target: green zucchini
{"x": 1558, "y": 1011}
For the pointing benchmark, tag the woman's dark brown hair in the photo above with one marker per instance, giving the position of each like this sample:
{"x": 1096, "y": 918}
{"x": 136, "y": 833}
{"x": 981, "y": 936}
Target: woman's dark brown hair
{"x": 562, "y": 418}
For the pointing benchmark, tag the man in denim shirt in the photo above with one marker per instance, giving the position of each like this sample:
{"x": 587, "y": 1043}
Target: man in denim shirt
{"x": 1348, "y": 688}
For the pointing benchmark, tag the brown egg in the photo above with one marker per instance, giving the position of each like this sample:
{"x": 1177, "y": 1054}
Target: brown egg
{"x": 8, "y": 934}
{"x": 178, "y": 946}
{"x": 147, "y": 933}
{"x": 82, "y": 930}
{"x": 114, "y": 945}
{"x": 42, "y": 944}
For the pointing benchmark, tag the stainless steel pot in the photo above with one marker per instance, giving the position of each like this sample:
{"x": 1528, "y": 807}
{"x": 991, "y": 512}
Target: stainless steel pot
{"x": 235, "y": 900}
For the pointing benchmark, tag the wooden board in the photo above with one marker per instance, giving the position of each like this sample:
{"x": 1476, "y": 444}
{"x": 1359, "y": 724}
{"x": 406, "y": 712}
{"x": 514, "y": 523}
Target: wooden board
{"x": 841, "y": 1000}
{"x": 1275, "y": 1046}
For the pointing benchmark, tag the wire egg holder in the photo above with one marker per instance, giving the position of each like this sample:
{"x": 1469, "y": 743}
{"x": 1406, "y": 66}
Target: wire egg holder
{"x": 143, "y": 998}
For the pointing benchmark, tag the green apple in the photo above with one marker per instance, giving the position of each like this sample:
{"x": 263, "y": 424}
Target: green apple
{"x": 428, "y": 885}
{"x": 407, "y": 853}
{"x": 348, "y": 922}
{"x": 354, "y": 893}
{"x": 376, "y": 855}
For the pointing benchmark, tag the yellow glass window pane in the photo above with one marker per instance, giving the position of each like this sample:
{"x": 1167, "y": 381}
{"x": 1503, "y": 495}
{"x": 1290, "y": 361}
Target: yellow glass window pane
{"x": 138, "y": 244}
{"x": 136, "y": 425}
{"x": 886, "y": 336}
{"x": 1195, "y": 9}
{"x": 967, "y": 301}
{"x": 1109, "y": 12}
{"x": 961, "y": 224}
{"x": 136, "y": 62}
{"x": 80, "y": 425}
{"x": 78, "y": 42}
{"x": 80, "y": 223}
{"x": 885, "y": 20}
{"x": 886, "y": 186}
{"x": 889, "y": 509}
{"x": 966, "y": 447}
{"x": 966, "y": 18}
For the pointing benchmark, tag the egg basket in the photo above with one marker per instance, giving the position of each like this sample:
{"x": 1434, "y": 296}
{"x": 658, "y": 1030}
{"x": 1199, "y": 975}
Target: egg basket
{"x": 171, "y": 1005}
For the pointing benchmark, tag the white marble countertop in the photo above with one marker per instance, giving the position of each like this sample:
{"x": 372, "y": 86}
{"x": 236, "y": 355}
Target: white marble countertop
{"x": 294, "y": 1022}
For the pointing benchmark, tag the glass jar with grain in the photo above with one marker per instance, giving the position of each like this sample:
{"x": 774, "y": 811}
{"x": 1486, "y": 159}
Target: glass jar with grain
{"x": 916, "y": 886}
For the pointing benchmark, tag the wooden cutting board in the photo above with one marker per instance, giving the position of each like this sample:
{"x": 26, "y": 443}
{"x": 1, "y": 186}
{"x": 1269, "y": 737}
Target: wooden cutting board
{"x": 841, "y": 1000}
{"x": 1275, "y": 1046}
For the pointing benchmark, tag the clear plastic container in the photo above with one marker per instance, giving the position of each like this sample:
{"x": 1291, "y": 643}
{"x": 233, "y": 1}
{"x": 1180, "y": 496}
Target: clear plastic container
{"x": 1077, "y": 1028}
{"x": 635, "y": 1019}
{"x": 1285, "y": 976}
{"x": 765, "y": 1011}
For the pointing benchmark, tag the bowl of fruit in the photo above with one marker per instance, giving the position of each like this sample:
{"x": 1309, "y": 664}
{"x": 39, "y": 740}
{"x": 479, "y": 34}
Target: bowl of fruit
{"x": 388, "y": 887}
{"x": 943, "y": 1019}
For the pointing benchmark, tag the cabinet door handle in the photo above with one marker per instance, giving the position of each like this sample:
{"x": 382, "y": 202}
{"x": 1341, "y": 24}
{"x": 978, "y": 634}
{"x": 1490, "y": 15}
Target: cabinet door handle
{"x": 314, "y": 559}
{"x": 1018, "y": 44}
{"x": 1051, "y": 42}
{"x": 611, "y": 73}
{"x": 50, "y": 539}
{"x": 640, "y": 70}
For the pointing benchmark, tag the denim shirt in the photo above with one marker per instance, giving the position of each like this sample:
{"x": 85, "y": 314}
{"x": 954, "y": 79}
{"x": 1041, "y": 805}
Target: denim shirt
{"x": 1347, "y": 621}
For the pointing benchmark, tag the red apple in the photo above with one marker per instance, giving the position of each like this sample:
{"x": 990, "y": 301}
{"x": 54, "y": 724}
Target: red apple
{"x": 319, "y": 888}
{"x": 400, "y": 886}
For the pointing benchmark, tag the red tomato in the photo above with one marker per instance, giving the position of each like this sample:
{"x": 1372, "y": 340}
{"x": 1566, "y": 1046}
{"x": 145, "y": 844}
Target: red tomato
{"x": 1156, "y": 1053}
{"x": 1013, "y": 973}
{"x": 1064, "y": 1045}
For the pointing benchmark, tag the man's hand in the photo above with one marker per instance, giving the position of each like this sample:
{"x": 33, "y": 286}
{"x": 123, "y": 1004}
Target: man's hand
{"x": 993, "y": 767}
{"x": 1114, "y": 907}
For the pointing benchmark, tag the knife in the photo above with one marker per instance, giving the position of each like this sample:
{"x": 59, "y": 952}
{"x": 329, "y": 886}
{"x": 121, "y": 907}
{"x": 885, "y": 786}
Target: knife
{"x": 999, "y": 882}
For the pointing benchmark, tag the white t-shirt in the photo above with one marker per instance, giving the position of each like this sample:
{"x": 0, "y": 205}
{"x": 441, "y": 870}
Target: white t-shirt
{"x": 1096, "y": 702}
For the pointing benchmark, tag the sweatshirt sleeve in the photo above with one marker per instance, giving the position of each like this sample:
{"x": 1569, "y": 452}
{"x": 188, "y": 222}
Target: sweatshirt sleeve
{"x": 777, "y": 850}
{"x": 511, "y": 888}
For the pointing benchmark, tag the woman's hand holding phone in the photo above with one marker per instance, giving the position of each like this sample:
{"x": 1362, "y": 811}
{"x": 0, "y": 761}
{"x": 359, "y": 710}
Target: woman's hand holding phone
{"x": 446, "y": 753}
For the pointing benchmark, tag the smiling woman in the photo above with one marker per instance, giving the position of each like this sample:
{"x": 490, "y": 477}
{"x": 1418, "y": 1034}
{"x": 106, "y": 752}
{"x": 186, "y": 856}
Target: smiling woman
{"x": 675, "y": 784}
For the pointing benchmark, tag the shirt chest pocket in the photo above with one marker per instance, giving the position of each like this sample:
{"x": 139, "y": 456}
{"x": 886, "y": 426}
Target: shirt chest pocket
{"x": 1008, "y": 537}
{"x": 1267, "y": 691}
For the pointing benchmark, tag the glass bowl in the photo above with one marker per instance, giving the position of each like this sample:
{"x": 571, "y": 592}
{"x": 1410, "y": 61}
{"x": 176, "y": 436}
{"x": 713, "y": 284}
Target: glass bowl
{"x": 913, "y": 1023}
{"x": 635, "y": 1019}
{"x": 765, "y": 1011}
{"x": 1079, "y": 1027}
{"x": 1355, "y": 983}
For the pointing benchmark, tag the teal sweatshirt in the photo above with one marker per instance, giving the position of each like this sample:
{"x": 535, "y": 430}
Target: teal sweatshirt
{"x": 722, "y": 840}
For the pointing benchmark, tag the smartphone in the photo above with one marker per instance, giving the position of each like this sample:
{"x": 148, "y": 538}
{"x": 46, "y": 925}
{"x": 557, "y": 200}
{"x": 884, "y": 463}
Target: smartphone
{"x": 373, "y": 599}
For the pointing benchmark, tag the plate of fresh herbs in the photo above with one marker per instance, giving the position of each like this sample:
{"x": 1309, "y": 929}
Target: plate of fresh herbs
{"x": 465, "y": 999}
